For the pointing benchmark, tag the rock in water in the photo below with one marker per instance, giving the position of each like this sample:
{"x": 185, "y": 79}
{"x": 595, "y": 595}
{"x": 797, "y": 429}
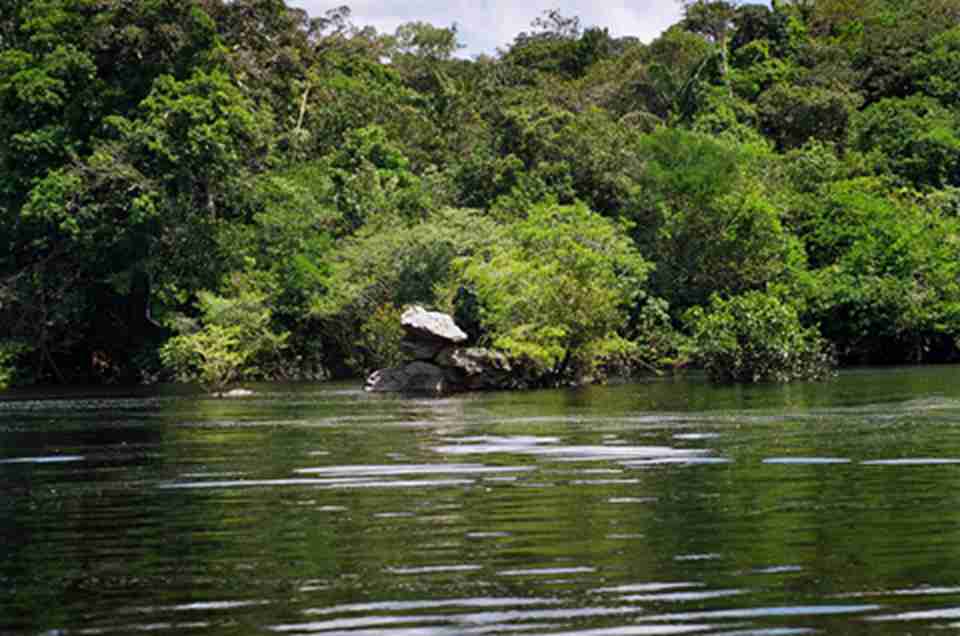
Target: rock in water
{"x": 475, "y": 368}
{"x": 416, "y": 377}
{"x": 438, "y": 365}
{"x": 420, "y": 324}
{"x": 424, "y": 350}
{"x": 386, "y": 380}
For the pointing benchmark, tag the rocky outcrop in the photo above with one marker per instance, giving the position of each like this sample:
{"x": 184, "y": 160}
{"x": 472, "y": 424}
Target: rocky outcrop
{"x": 427, "y": 333}
{"x": 438, "y": 361}
{"x": 476, "y": 369}
{"x": 415, "y": 377}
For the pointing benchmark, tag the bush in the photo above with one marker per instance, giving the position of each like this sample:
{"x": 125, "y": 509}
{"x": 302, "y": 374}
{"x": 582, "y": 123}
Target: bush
{"x": 556, "y": 288}
{"x": 380, "y": 336}
{"x": 755, "y": 337}
{"x": 10, "y": 351}
{"x": 229, "y": 342}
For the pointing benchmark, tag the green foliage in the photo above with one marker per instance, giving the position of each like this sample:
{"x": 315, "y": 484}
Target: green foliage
{"x": 380, "y": 337}
{"x": 793, "y": 115}
{"x": 392, "y": 263}
{"x": 423, "y": 40}
{"x": 151, "y": 147}
{"x": 372, "y": 178}
{"x": 559, "y": 46}
{"x": 678, "y": 62}
{"x": 9, "y": 352}
{"x": 755, "y": 337}
{"x": 556, "y": 287}
{"x": 197, "y": 136}
{"x": 706, "y": 220}
{"x": 886, "y": 279}
{"x": 937, "y": 70}
{"x": 230, "y": 342}
{"x": 916, "y": 137}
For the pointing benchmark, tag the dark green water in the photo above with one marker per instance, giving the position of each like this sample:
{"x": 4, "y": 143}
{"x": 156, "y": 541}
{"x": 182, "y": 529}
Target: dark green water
{"x": 668, "y": 507}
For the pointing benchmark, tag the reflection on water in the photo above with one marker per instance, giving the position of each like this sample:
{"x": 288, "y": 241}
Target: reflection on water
{"x": 664, "y": 507}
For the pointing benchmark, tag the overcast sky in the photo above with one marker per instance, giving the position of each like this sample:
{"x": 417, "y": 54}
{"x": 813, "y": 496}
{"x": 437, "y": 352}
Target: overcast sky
{"x": 485, "y": 25}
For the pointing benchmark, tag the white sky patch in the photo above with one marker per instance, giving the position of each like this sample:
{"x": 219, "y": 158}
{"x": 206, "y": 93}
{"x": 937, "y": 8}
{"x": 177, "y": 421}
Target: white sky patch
{"x": 486, "y": 25}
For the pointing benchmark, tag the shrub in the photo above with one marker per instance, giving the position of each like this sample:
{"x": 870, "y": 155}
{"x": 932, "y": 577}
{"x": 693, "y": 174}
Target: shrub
{"x": 229, "y": 342}
{"x": 754, "y": 337}
{"x": 380, "y": 336}
{"x": 10, "y": 351}
{"x": 556, "y": 288}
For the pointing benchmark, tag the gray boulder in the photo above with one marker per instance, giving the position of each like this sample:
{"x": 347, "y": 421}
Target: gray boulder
{"x": 420, "y": 324}
{"x": 415, "y": 377}
{"x": 425, "y": 350}
{"x": 475, "y": 368}
{"x": 438, "y": 365}
{"x": 473, "y": 360}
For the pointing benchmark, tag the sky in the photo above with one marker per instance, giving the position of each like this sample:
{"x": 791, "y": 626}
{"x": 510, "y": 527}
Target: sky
{"x": 484, "y": 25}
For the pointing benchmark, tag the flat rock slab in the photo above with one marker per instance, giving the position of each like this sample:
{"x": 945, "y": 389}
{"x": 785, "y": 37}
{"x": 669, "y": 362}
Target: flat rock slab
{"x": 420, "y": 324}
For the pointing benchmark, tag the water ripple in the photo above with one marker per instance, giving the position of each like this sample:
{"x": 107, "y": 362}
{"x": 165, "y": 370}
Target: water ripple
{"x": 802, "y": 461}
{"x": 412, "y": 469}
{"x": 53, "y": 459}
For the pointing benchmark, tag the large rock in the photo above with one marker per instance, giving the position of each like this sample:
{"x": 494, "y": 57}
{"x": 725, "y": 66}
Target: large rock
{"x": 425, "y": 350}
{"x": 473, "y": 360}
{"x": 415, "y": 377}
{"x": 439, "y": 365}
{"x": 475, "y": 368}
{"x": 420, "y": 324}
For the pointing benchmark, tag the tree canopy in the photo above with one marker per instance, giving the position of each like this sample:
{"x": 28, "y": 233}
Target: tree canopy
{"x": 228, "y": 189}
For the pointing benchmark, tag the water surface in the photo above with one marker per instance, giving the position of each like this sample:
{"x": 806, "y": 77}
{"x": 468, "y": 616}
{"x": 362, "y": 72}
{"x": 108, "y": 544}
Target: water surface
{"x": 662, "y": 507}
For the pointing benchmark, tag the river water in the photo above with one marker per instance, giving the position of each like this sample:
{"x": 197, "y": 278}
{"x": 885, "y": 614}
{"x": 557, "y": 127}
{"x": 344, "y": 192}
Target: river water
{"x": 656, "y": 508}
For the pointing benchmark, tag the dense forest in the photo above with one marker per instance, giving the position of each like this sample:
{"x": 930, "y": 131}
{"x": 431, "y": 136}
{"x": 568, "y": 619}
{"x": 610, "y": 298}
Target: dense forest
{"x": 221, "y": 190}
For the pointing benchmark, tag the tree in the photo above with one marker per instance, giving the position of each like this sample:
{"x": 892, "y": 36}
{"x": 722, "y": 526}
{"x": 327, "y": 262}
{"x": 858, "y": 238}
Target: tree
{"x": 916, "y": 137}
{"x": 792, "y": 115}
{"x": 230, "y": 341}
{"x": 706, "y": 221}
{"x": 560, "y": 46}
{"x": 677, "y": 63}
{"x": 937, "y": 71}
{"x": 556, "y": 287}
{"x": 755, "y": 337}
{"x": 424, "y": 41}
{"x": 886, "y": 271}
{"x": 714, "y": 20}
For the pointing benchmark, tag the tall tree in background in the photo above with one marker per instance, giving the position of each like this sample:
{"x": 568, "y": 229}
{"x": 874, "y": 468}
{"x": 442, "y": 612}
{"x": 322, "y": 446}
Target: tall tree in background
{"x": 714, "y": 20}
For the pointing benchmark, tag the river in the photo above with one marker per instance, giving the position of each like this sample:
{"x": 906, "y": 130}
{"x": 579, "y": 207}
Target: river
{"x": 662, "y": 507}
